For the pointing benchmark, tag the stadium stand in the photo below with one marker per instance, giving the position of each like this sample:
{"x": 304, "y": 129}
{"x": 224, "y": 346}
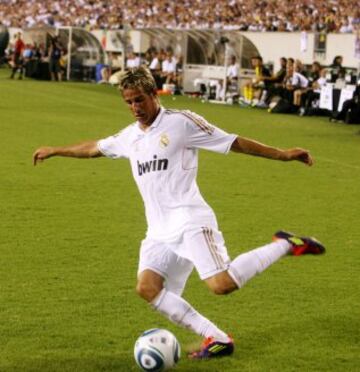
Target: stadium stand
{"x": 246, "y": 15}
{"x": 294, "y": 88}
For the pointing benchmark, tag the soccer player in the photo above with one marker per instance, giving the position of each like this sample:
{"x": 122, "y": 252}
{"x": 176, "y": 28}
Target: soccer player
{"x": 162, "y": 146}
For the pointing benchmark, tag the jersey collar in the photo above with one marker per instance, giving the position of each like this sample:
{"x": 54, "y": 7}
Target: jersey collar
{"x": 155, "y": 123}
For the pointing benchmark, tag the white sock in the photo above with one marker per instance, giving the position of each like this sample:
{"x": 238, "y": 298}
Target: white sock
{"x": 247, "y": 265}
{"x": 182, "y": 313}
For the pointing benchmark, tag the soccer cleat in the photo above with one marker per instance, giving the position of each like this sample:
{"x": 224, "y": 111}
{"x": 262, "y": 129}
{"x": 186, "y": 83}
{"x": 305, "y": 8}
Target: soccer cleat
{"x": 211, "y": 348}
{"x": 300, "y": 245}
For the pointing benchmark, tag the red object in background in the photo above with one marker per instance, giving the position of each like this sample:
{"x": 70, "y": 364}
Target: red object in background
{"x": 19, "y": 46}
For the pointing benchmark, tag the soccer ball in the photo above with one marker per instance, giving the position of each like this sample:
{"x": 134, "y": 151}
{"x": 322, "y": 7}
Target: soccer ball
{"x": 156, "y": 350}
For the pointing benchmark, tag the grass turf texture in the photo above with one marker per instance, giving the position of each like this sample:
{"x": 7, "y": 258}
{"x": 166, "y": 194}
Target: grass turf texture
{"x": 70, "y": 231}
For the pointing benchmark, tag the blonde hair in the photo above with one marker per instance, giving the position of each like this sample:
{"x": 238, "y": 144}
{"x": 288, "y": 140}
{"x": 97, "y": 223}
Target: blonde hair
{"x": 137, "y": 78}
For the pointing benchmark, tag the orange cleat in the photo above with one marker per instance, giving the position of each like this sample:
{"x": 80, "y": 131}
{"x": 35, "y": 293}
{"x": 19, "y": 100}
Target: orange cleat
{"x": 211, "y": 348}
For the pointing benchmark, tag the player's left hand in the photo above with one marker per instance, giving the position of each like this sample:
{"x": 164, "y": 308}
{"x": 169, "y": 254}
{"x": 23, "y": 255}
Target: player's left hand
{"x": 299, "y": 155}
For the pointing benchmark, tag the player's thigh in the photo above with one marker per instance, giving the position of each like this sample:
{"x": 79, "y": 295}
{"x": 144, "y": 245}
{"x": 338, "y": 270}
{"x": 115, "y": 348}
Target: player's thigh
{"x": 160, "y": 258}
{"x": 205, "y": 248}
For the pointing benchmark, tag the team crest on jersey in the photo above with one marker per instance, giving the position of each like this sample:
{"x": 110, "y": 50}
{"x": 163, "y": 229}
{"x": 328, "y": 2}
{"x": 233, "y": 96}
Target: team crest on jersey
{"x": 164, "y": 140}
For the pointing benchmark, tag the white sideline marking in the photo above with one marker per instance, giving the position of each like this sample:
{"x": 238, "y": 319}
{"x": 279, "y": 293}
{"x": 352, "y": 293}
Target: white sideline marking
{"x": 338, "y": 162}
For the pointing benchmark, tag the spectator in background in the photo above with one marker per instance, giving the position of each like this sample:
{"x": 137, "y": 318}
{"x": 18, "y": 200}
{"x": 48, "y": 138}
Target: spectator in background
{"x": 132, "y": 60}
{"x": 245, "y": 15}
{"x": 340, "y": 81}
{"x": 331, "y": 21}
{"x": 313, "y": 76}
{"x": 254, "y": 89}
{"x": 315, "y": 71}
{"x": 232, "y": 79}
{"x": 116, "y": 62}
{"x": 168, "y": 68}
{"x": 313, "y": 93}
{"x": 346, "y": 26}
{"x": 277, "y": 78}
{"x": 54, "y": 59}
{"x": 336, "y": 68}
{"x": 64, "y": 61}
{"x": 38, "y": 52}
{"x": 155, "y": 67}
{"x": 299, "y": 84}
{"x": 289, "y": 63}
{"x": 154, "y": 61}
{"x": 350, "y": 112}
{"x": 147, "y": 57}
{"x": 294, "y": 80}
{"x": 232, "y": 71}
{"x": 18, "y": 58}
{"x": 300, "y": 68}
{"x": 277, "y": 81}
{"x": 273, "y": 83}
{"x": 179, "y": 73}
{"x": 27, "y": 53}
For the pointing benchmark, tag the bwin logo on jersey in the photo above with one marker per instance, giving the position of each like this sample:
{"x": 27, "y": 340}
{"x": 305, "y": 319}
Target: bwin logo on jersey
{"x": 152, "y": 166}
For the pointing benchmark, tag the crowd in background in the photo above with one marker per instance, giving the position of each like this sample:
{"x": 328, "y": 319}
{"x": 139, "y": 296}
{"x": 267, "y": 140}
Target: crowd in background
{"x": 293, "y": 89}
{"x": 24, "y": 58}
{"x": 260, "y": 15}
{"x": 294, "y": 85}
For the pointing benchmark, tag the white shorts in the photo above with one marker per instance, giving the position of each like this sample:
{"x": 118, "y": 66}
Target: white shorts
{"x": 202, "y": 248}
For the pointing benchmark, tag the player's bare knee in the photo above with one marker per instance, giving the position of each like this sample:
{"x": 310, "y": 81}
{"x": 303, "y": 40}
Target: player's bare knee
{"x": 147, "y": 291}
{"x": 149, "y": 285}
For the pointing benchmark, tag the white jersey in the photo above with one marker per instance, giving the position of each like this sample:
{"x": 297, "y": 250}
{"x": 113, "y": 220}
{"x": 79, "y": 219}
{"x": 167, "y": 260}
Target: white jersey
{"x": 164, "y": 162}
{"x": 133, "y": 62}
{"x": 233, "y": 71}
{"x": 299, "y": 80}
{"x": 169, "y": 66}
{"x": 154, "y": 65}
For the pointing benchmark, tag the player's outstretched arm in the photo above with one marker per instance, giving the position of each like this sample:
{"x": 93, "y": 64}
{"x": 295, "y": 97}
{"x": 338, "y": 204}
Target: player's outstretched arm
{"x": 87, "y": 149}
{"x": 251, "y": 147}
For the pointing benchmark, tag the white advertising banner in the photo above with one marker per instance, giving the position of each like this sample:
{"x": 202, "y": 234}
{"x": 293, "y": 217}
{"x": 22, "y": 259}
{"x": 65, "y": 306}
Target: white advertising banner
{"x": 346, "y": 93}
{"x": 326, "y": 97}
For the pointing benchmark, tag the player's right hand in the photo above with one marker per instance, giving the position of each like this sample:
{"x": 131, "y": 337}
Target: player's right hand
{"x": 299, "y": 154}
{"x": 43, "y": 153}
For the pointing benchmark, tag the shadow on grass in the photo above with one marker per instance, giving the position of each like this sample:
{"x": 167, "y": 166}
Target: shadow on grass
{"x": 119, "y": 364}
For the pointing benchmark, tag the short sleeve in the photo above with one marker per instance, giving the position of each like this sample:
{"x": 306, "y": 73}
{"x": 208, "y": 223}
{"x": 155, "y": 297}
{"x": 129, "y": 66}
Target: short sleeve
{"x": 201, "y": 134}
{"x": 115, "y": 146}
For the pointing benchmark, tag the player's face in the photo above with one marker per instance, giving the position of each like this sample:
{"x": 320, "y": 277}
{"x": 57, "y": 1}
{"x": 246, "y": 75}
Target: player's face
{"x": 144, "y": 107}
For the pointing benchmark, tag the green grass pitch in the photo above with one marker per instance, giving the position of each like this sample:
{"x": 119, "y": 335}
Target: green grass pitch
{"x": 70, "y": 232}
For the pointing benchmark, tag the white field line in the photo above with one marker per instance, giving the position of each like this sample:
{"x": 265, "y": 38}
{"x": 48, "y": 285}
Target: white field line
{"x": 337, "y": 162}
